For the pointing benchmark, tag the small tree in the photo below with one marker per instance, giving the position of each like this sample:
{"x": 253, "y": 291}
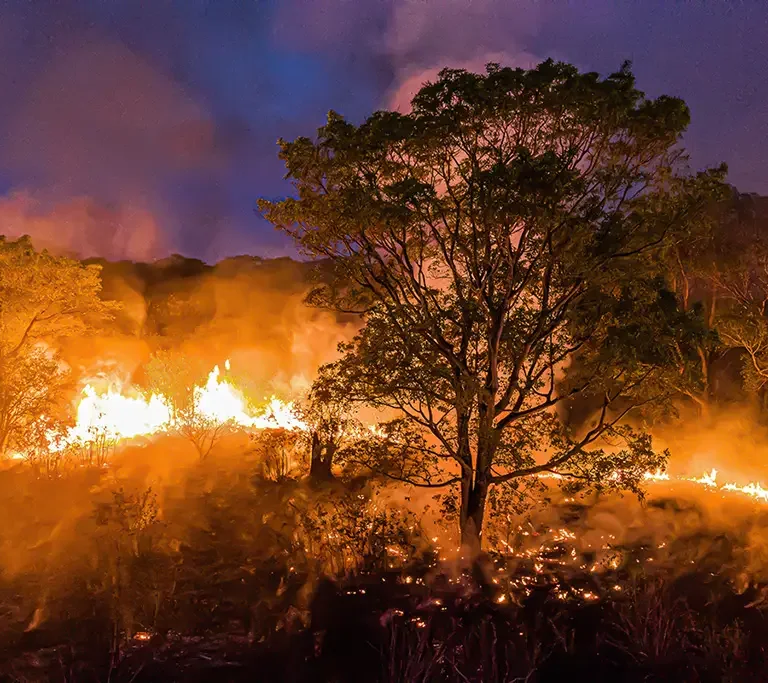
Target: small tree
{"x": 327, "y": 413}
{"x": 175, "y": 376}
{"x": 127, "y": 524}
{"x": 42, "y": 444}
{"x": 278, "y": 451}
{"x": 501, "y": 242}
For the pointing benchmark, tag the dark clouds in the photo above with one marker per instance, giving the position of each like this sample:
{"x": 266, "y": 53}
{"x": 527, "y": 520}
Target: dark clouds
{"x": 134, "y": 129}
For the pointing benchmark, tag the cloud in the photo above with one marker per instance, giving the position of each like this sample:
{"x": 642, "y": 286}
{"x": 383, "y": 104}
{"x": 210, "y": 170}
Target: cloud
{"x": 101, "y": 134}
{"x": 100, "y": 116}
{"x": 173, "y": 109}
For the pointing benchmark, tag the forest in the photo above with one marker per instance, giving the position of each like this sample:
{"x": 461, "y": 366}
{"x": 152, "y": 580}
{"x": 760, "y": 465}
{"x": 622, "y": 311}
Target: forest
{"x": 504, "y": 420}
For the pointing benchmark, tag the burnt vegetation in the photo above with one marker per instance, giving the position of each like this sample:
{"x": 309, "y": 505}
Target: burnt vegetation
{"x": 512, "y": 290}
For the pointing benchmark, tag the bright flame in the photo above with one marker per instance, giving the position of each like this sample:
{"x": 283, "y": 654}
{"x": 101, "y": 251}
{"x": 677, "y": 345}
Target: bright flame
{"x": 707, "y": 479}
{"x": 221, "y": 401}
{"x": 116, "y": 416}
{"x": 752, "y": 489}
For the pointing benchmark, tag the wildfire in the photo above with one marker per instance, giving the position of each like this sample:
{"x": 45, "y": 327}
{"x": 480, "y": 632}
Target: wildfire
{"x": 221, "y": 401}
{"x": 117, "y": 416}
{"x": 709, "y": 480}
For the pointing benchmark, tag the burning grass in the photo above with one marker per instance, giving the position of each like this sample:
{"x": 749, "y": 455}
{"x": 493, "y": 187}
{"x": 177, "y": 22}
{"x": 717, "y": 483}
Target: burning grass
{"x": 221, "y": 573}
{"x": 142, "y": 562}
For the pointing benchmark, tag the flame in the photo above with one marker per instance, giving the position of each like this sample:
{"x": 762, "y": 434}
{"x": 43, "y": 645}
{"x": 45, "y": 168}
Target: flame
{"x": 117, "y": 416}
{"x": 221, "y": 401}
{"x": 658, "y": 475}
{"x": 709, "y": 480}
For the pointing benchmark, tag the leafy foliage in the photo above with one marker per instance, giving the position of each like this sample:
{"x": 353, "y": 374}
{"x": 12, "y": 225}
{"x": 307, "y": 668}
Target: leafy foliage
{"x": 175, "y": 375}
{"x": 43, "y": 298}
{"x": 502, "y": 241}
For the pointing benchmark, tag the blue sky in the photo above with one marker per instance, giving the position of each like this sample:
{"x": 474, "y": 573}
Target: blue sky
{"x": 136, "y": 129}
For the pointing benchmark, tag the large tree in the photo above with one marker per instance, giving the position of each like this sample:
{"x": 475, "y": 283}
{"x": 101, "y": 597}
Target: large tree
{"x": 502, "y": 242}
{"x": 43, "y": 298}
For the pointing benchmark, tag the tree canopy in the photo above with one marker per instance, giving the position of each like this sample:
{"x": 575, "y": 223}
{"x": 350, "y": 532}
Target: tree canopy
{"x": 43, "y": 298}
{"x": 503, "y": 242}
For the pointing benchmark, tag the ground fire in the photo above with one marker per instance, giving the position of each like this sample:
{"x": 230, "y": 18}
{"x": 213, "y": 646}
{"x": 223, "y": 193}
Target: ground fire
{"x": 120, "y": 414}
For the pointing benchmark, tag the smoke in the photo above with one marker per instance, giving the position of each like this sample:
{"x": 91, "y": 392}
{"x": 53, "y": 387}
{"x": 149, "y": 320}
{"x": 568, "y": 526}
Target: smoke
{"x": 425, "y": 37}
{"x": 93, "y": 141}
{"x": 127, "y": 143}
{"x": 165, "y": 117}
{"x": 82, "y": 227}
{"x": 731, "y": 439}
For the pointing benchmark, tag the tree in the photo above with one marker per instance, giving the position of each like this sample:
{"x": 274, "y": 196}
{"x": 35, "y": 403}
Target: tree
{"x": 501, "y": 242}
{"x": 716, "y": 266}
{"x": 326, "y": 412}
{"x": 736, "y": 275}
{"x": 176, "y": 376}
{"x": 31, "y": 383}
{"x": 43, "y": 298}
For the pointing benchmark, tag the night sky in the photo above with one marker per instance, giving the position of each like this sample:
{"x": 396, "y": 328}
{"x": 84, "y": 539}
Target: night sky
{"x": 136, "y": 129}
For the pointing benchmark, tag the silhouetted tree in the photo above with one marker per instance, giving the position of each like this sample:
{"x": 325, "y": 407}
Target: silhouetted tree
{"x": 327, "y": 413}
{"x": 502, "y": 243}
{"x": 717, "y": 269}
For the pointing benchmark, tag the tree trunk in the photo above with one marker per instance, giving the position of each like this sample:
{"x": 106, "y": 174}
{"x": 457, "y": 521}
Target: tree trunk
{"x": 321, "y": 459}
{"x": 473, "y": 500}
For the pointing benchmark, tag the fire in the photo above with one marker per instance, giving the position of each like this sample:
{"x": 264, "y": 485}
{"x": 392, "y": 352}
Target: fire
{"x": 221, "y": 401}
{"x": 117, "y": 416}
{"x": 709, "y": 480}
